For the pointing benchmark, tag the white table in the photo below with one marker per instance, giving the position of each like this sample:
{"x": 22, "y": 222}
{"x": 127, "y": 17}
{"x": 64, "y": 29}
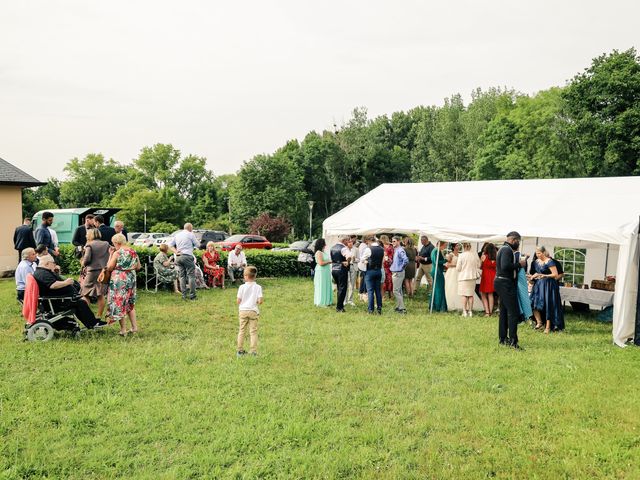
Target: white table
{"x": 591, "y": 296}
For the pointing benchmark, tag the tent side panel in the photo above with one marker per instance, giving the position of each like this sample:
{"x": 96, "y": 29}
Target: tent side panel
{"x": 624, "y": 302}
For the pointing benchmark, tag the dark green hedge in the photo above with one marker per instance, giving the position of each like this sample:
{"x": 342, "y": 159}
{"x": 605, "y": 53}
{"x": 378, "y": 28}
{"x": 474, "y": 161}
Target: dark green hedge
{"x": 268, "y": 262}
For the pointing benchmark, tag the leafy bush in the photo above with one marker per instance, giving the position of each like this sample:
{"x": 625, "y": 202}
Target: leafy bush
{"x": 163, "y": 227}
{"x": 274, "y": 228}
{"x": 268, "y": 262}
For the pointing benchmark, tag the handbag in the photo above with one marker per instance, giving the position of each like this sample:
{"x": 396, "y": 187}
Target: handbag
{"x": 104, "y": 277}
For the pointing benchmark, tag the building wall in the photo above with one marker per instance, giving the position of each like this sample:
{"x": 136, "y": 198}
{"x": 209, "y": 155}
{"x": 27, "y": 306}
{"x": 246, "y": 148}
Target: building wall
{"x": 10, "y": 218}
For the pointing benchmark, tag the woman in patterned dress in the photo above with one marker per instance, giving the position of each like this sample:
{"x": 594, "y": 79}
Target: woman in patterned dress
{"x": 387, "y": 286}
{"x": 214, "y": 273}
{"x": 165, "y": 268}
{"x": 123, "y": 265}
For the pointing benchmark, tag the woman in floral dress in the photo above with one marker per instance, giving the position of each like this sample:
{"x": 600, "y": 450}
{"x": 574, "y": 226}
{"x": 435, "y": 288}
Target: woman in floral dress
{"x": 214, "y": 273}
{"x": 123, "y": 265}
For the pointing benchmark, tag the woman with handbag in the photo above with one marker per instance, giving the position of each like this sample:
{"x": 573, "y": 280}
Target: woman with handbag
{"x": 121, "y": 270}
{"x": 468, "y": 267}
{"x": 94, "y": 260}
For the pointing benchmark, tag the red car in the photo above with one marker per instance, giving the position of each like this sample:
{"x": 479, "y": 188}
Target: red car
{"x": 247, "y": 241}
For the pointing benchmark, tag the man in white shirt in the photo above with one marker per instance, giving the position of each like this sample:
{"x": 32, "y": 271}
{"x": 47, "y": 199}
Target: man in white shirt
{"x": 236, "y": 263}
{"x": 183, "y": 244}
{"x": 26, "y": 267}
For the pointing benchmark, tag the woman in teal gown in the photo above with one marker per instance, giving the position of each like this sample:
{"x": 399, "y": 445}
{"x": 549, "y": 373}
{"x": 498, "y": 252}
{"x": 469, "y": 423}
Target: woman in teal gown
{"x": 438, "y": 262}
{"x": 322, "y": 288}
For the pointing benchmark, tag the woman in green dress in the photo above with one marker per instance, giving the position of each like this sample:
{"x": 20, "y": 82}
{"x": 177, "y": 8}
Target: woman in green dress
{"x": 439, "y": 300}
{"x": 322, "y": 289}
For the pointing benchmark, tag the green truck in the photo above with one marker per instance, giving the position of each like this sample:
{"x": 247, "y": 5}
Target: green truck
{"x": 66, "y": 220}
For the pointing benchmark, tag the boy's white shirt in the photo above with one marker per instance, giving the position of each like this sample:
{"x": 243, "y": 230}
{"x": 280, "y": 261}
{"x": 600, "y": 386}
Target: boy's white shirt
{"x": 249, "y": 293}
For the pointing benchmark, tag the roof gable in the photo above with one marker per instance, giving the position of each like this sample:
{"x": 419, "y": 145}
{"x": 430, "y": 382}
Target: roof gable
{"x": 12, "y": 175}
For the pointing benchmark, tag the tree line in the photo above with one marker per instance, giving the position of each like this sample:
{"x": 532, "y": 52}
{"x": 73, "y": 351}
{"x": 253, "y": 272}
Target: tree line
{"x": 588, "y": 128}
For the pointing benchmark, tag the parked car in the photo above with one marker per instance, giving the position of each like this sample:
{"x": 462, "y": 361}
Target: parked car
{"x": 206, "y": 236}
{"x": 297, "y": 246}
{"x": 160, "y": 240}
{"x": 247, "y": 241}
{"x": 148, "y": 239}
{"x": 132, "y": 236}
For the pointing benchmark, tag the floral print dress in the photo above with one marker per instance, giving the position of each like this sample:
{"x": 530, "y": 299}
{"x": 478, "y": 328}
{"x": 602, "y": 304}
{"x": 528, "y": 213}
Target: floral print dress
{"x": 122, "y": 286}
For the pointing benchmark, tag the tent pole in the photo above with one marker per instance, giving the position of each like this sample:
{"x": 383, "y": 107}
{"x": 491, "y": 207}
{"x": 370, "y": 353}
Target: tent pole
{"x": 435, "y": 277}
{"x": 606, "y": 263}
{"x": 636, "y": 337}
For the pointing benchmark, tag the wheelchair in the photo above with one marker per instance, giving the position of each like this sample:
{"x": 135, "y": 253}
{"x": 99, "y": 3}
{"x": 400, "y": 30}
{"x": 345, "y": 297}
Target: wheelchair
{"x": 48, "y": 317}
{"x": 48, "y": 320}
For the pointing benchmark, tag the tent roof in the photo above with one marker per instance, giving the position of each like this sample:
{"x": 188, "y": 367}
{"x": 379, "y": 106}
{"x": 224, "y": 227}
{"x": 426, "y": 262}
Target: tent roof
{"x": 603, "y": 210}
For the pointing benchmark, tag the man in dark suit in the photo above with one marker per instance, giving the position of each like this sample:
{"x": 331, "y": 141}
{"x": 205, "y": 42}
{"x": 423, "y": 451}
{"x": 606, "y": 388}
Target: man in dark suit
{"x": 106, "y": 232}
{"x": 505, "y": 285}
{"x": 23, "y": 238}
{"x": 340, "y": 255}
{"x": 80, "y": 235}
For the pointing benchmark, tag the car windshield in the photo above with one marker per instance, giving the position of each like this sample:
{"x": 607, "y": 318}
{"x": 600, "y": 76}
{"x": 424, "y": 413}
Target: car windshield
{"x": 143, "y": 236}
{"x": 235, "y": 238}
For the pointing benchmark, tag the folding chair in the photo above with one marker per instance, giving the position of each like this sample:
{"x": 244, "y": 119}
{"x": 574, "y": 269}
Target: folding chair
{"x": 150, "y": 278}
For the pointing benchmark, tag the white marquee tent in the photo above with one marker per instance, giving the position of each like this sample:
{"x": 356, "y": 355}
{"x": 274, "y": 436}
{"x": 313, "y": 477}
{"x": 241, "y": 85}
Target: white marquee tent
{"x": 596, "y": 213}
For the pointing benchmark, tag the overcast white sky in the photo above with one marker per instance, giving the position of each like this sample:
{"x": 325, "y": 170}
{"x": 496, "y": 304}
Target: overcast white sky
{"x": 229, "y": 80}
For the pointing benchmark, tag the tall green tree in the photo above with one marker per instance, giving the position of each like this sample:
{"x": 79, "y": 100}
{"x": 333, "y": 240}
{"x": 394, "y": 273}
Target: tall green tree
{"x": 92, "y": 181}
{"x": 157, "y": 164}
{"x": 602, "y": 109}
{"x": 41, "y": 198}
{"x": 272, "y": 184}
{"x": 526, "y": 141}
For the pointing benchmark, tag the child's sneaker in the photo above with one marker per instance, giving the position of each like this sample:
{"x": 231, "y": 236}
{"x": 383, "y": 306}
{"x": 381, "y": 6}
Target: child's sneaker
{"x": 241, "y": 353}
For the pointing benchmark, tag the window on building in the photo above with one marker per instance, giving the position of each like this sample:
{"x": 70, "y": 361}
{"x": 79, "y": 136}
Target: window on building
{"x": 573, "y": 261}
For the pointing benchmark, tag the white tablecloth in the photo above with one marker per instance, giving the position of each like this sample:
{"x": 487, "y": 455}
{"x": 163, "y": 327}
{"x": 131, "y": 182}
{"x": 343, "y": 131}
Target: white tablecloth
{"x": 591, "y": 296}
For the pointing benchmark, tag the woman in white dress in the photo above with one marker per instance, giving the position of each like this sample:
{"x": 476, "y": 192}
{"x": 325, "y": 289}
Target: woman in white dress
{"x": 454, "y": 302}
{"x": 468, "y": 268}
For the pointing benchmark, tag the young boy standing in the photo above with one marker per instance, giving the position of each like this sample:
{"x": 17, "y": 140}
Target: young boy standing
{"x": 249, "y": 297}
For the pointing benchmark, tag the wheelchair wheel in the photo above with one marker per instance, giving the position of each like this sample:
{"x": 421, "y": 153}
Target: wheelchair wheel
{"x": 40, "y": 332}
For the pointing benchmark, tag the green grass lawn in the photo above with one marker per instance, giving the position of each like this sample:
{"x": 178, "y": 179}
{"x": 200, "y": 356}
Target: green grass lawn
{"x": 329, "y": 396}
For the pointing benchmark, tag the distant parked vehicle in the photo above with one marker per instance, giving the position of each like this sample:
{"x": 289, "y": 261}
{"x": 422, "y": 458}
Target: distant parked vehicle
{"x": 206, "y": 236}
{"x": 160, "y": 240}
{"x": 132, "y": 236}
{"x": 297, "y": 246}
{"x": 247, "y": 242}
{"x": 148, "y": 239}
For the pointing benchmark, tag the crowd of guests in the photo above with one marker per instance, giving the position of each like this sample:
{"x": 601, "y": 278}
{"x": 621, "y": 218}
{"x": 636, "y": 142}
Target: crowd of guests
{"x": 107, "y": 278}
{"x": 455, "y": 275}
{"x": 108, "y": 275}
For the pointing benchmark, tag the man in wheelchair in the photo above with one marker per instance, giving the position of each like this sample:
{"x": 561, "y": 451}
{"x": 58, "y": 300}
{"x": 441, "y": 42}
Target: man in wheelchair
{"x": 52, "y": 285}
